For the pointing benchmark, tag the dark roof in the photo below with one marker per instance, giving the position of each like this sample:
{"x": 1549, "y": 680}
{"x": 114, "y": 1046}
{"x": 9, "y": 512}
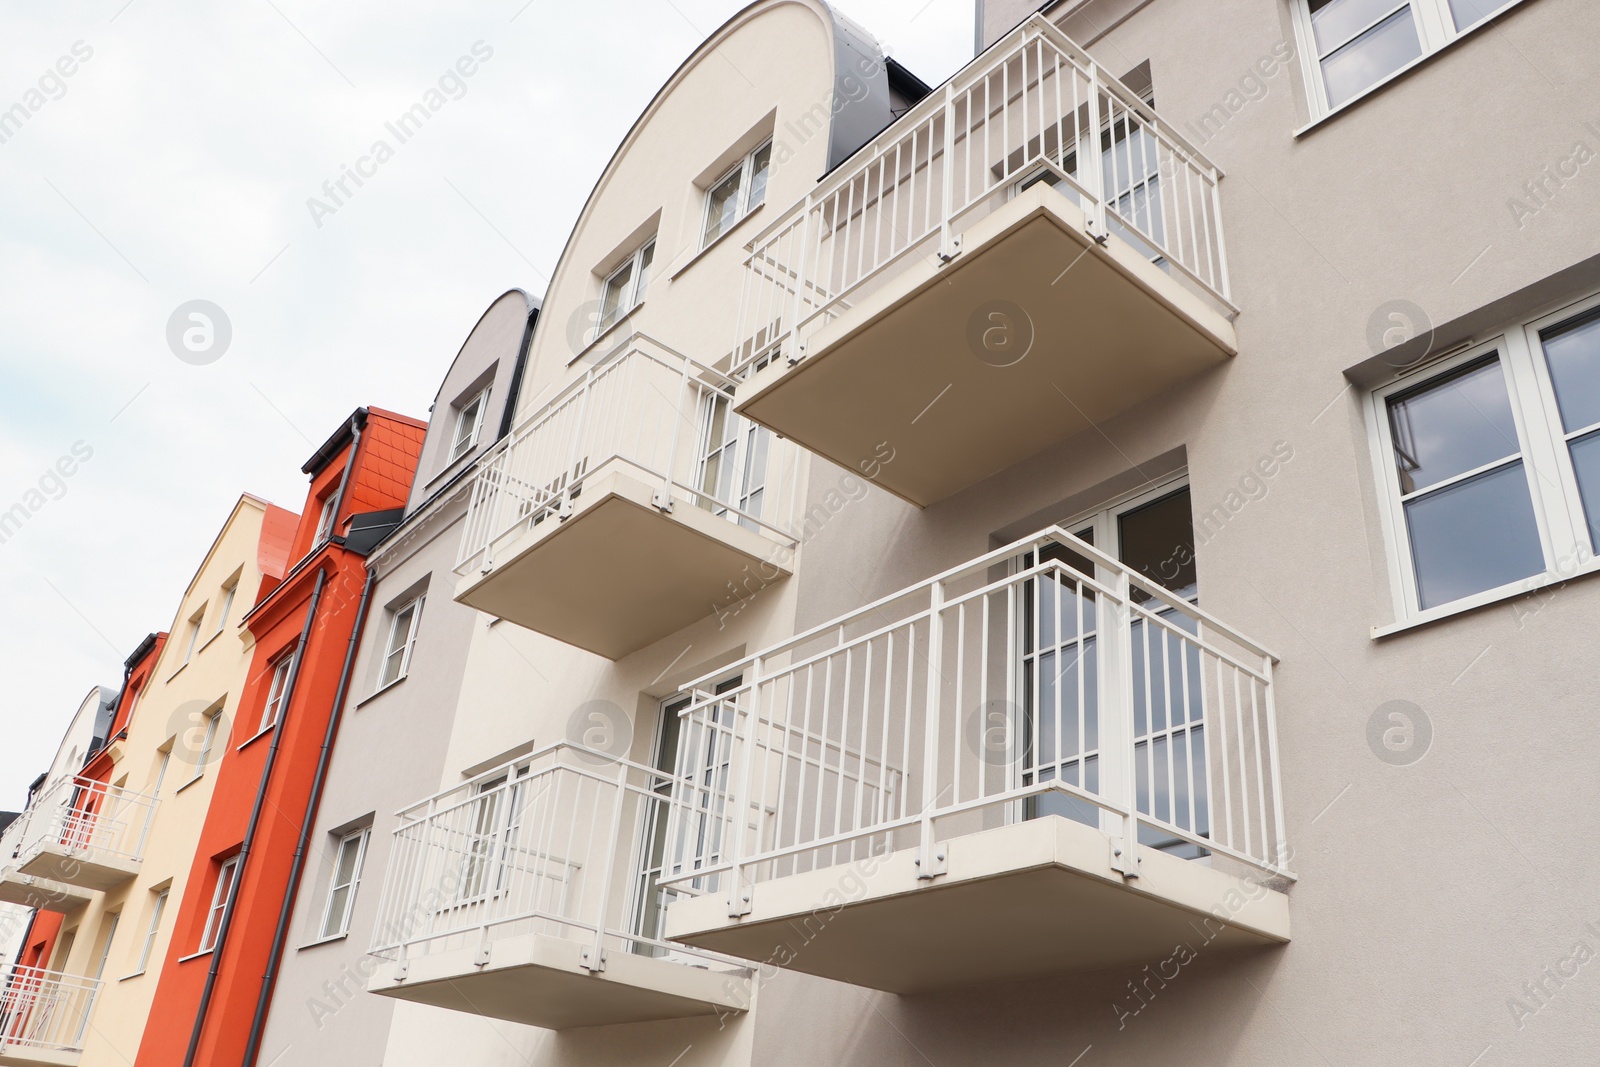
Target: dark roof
{"x": 323, "y": 456}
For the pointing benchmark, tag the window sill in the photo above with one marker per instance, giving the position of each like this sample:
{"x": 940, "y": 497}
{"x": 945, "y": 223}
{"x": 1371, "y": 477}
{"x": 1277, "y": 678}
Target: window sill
{"x": 600, "y": 338}
{"x": 259, "y": 734}
{"x": 376, "y": 693}
{"x": 210, "y": 639}
{"x": 190, "y": 782}
{"x": 177, "y": 672}
{"x": 194, "y": 955}
{"x": 717, "y": 240}
{"x": 1526, "y": 587}
{"x": 125, "y": 977}
{"x": 1420, "y": 61}
{"x": 331, "y": 939}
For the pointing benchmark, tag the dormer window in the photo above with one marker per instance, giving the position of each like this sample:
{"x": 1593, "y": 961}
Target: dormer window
{"x": 624, "y": 288}
{"x": 737, "y": 193}
{"x": 469, "y": 423}
{"x": 325, "y": 520}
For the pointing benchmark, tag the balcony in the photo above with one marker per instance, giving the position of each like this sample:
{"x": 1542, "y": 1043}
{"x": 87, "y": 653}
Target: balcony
{"x": 965, "y": 291}
{"x": 631, "y": 505}
{"x": 530, "y": 894}
{"x": 83, "y": 834}
{"x": 43, "y": 1017}
{"x": 1036, "y": 763}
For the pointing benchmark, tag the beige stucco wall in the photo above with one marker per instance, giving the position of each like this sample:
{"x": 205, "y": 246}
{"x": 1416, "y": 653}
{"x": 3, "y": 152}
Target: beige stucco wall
{"x": 169, "y": 712}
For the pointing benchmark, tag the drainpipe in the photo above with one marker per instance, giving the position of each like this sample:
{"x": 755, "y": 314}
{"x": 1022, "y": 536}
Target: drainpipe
{"x": 255, "y": 821}
{"x": 252, "y": 1048}
{"x": 356, "y": 421}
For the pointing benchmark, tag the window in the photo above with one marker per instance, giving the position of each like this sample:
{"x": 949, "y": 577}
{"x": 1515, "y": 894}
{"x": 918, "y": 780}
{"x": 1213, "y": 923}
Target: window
{"x": 325, "y": 520}
{"x": 227, "y": 874}
{"x": 207, "y": 739}
{"x": 347, "y": 862}
{"x": 733, "y": 462}
{"x": 156, "y": 911}
{"x": 105, "y": 950}
{"x": 736, "y": 194}
{"x": 195, "y": 622}
{"x": 469, "y": 421}
{"x": 276, "y": 691}
{"x": 403, "y": 624}
{"x": 624, "y": 289}
{"x": 1489, "y": 466}
{"x": 229, "y": 590}
{"x": 163, "y": 759}
{"x": 1352, "y": 45}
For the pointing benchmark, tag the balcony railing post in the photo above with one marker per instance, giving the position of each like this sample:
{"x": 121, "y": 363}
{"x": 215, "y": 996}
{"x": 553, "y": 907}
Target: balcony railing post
{"x": 948, "y": 246}
{"x": 569, "y": 476}
{"x": 1220, "y": 282}
{"x": 1119, "y": 774}
{"x": 932, "y": 858}
{"x": 797, "y": 348}
{"x": 738, "y": 892}
{"x": 1091, "y": 171}
{"x": 663, "y": 498}
{"x": 594, "y": 960}
{"x": 1278, "y": 844}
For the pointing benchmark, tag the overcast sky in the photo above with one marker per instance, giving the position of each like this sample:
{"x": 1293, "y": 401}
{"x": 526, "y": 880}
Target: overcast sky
{"x": 174, "y": 163}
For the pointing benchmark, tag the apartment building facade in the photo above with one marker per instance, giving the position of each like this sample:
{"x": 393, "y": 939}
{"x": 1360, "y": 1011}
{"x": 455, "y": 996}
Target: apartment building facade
{"x": 227, "y": 925}
{"x": 1069, "y": 605}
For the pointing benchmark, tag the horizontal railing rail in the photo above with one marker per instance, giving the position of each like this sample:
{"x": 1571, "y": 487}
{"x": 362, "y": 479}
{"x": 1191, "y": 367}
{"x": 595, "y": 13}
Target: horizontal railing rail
{"x": 1032, "y": 106}
{"x": 83, "y": 816}
{"x": 561, "y": 842}
{"x": 650, "y": 408}
{"x": 45, "y": 1010}
{"x": 1044, "y": 678}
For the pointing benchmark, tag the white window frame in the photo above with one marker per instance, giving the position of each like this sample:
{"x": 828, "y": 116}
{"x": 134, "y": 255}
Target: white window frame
{"x": 230, "y": 589}
{"x": 221, "y": 899}
{"x": 745, "y": 169}
{"x": 460, "y": 445}
{"x": 196, "y": 621}
{"x": 156, "y": 912}
{"x": 635, "y": 292}
{"x": 272, "y": 710}
{"x": 213, "y": 720}
{"x": 360, "y": 838}
{"x": 740, "y": 438}
{"x": 1552, "y": 484}
{"x": 408, "y": 641}
{"x": 327, "y": 517}
{"x": 1436, "y": 30}
{"x": 111, "y": 920}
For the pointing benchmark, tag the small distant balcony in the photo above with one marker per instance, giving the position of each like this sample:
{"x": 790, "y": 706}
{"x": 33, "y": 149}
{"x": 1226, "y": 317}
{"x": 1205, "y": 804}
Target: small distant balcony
{"x": 43, "y": 1017}
{"x": 1021, "y": 256}
{"x": 1036, "y": 763}
{"x": 632, "y": 504}
{"x": 531, "y": 894}
{"x": 82, "y": 834}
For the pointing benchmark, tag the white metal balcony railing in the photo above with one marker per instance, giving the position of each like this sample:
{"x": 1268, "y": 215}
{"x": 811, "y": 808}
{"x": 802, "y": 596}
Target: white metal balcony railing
{"x": 566, "y": 842}
{"x": 83, "y": 818}
{"x": 1032, "y": 106}
{"x": 666, "y": 416}
{"x": 45, "y": 1010}
{"x": 1042, "y": 678}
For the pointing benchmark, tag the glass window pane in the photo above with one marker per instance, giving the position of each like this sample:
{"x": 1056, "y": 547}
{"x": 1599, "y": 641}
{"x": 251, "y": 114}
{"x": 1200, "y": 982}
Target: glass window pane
{"x": 345, "y": 871}
{"x": 1471, "y": 12}
{"x": 646, "y": 255}
{"x": 1335, "y": 22}
{"x": 758, "y": 176}
{"x": 722, "y": 204}
{"x": 1586, "y": 465}
{"x": 334, "y": 923}
{"x": 1158, "y": 541}
{"x": 1475, "y": 535}
{"x": 1371, "y": 57}
{"x": 616, "y": 290}
{"x": 1573, "y": 352}
{"x": 1452, "y": 425}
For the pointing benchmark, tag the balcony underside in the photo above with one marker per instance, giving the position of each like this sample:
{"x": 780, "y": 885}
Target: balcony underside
{"x": 537, "y": 979}
{"x": 618, "y": 573}
{"x": 1022, "y": 901}
{"x": 913, "y": 363}
{"x": 22, "y": 1056}
{"x": 86, "y": 868}
{"x": 43, "y": 893}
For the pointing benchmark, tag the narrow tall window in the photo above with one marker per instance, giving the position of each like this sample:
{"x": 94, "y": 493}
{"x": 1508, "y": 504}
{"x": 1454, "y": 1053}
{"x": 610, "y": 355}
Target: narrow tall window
{"x": 228, "y": 592}
{"x": 347, "y": 863}
{"x": 325, "y": 519}
{"x": 403, "y": 625}
{"x": 624, "y": 289}
{"x": 105, "y": 952}
{"x": 737, "y": 193}
{"x": 207, "y": 740}
{"x": 276, "y": 691}
{"x": 227, "y": 874}
{"x": 193, "y": 638}
{"x": 156, "y": 911}
{"x": 469, "y": 423}
{"x": 733, "y": 462}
